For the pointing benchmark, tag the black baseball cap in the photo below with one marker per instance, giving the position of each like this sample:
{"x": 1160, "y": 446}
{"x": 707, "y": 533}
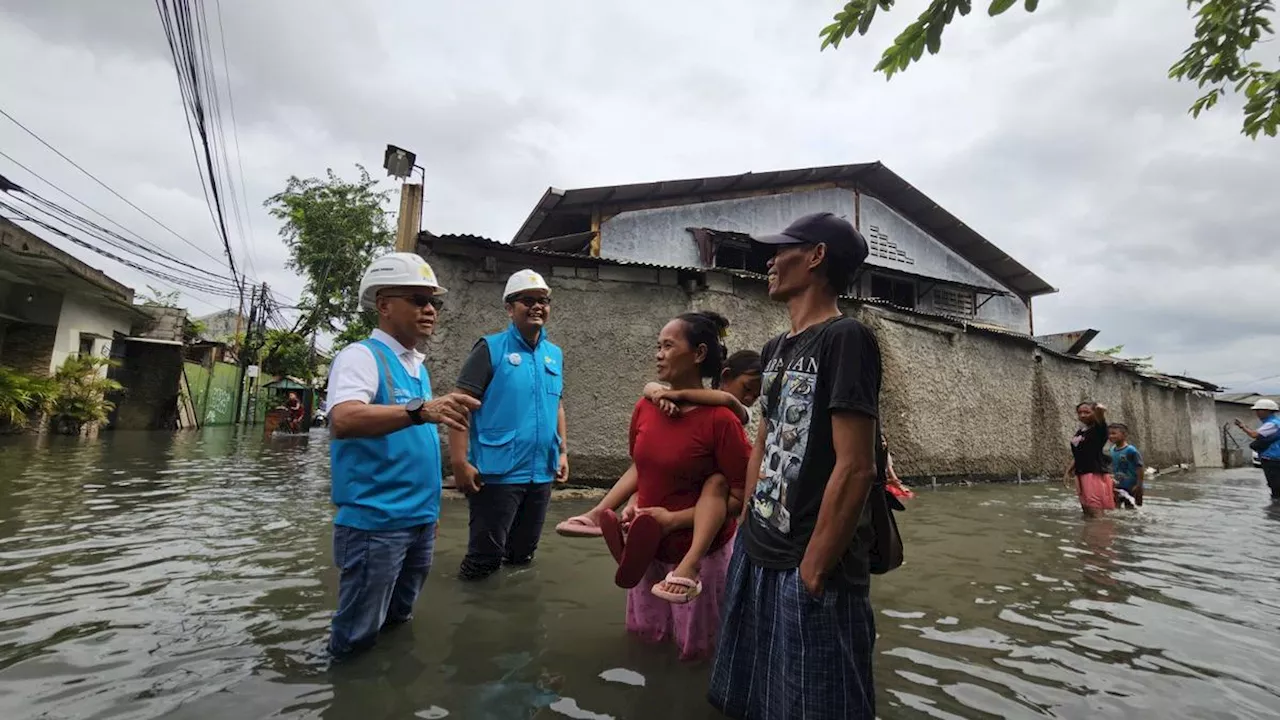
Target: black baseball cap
{"x": 842, "y": 239}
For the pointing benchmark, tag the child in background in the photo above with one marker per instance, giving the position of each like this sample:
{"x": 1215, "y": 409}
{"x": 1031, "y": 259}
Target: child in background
{"x": 892, "y": 483}
{"x": 1126, "y": 467}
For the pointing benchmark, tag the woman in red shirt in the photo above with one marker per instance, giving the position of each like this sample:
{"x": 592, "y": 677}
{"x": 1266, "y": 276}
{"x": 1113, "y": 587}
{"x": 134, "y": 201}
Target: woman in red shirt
{"x": 669, "y": 519}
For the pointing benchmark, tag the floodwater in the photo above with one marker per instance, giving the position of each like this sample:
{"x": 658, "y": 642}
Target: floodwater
{"x": 189, "y": 576}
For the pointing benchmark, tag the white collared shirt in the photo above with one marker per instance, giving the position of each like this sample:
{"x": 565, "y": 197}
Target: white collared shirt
{"x": 354, "y": 373}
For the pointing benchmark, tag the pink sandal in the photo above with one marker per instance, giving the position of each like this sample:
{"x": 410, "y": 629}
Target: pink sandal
{"x": 693, "y": 589}
{"x": 579, "y": 526}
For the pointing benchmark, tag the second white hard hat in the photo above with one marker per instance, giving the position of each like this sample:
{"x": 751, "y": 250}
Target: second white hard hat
{"x": 1265, "y": 404}
{"x": 397, "y": 269}
{"x": 522, "y": 281}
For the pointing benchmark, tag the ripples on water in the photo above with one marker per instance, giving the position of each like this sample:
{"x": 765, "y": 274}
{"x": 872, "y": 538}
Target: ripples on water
{"x": 189, "y": 576}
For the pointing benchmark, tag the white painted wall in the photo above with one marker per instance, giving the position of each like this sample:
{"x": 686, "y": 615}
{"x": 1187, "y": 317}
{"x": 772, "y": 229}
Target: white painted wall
{"x": 85, "y": 315}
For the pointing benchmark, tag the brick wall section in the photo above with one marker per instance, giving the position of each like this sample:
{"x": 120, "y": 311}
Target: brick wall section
{"x": 151, "y": 375}
{"x": 165, "y": 323}
{"x": 28, "y": 348}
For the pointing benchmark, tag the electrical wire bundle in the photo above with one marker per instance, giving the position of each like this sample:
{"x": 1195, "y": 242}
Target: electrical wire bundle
{"x": 187, "y": 30}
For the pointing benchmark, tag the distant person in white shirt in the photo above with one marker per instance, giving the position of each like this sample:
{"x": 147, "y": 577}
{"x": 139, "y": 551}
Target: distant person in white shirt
{"x": 385, "y": 454}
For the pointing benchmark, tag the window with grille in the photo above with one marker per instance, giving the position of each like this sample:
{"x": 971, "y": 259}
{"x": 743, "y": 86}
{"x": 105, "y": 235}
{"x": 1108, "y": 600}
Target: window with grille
{"x": 899, "y": 292}
{"x": 953, "y": 301}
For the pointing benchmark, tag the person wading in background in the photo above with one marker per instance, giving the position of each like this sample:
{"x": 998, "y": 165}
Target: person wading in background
{"x": 385, "y": 454}
{"x": 798, "y": 628}
{"x": 1090, "y": 464}
{"x": 515, "y": 445}
{"x": 1266, "y": 442}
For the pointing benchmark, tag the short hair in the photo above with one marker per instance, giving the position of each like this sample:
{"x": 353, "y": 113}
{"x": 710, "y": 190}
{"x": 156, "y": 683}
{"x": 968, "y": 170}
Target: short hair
{"x": 1118, "y": 426}
{"x": 743, "y": 362}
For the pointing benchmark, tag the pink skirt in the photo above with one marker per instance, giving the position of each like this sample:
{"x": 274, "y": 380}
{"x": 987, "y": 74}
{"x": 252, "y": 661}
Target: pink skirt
{"x": 692, "y": 626}
{"x": 1096, "y": 491}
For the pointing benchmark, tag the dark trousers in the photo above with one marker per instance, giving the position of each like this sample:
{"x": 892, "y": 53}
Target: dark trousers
{"x": 506, "y": 522}
{"x": 1271, "y": 470}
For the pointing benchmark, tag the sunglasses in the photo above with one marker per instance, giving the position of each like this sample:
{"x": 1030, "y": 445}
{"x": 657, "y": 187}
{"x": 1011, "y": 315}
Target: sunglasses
{"x": 420, "y": 301}
{"x": 530, "y": 301}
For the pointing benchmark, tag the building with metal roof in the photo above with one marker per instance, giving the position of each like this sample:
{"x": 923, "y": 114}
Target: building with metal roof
{"x": 922, "y": 257}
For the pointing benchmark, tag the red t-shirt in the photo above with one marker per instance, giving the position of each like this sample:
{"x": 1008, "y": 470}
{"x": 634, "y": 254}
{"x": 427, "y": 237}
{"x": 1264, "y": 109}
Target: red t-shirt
{"x": 674, "y": 456}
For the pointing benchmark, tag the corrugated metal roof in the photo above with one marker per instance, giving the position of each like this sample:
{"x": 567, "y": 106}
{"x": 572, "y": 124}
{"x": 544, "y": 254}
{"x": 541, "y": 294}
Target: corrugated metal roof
{"x": 877, "y": 179}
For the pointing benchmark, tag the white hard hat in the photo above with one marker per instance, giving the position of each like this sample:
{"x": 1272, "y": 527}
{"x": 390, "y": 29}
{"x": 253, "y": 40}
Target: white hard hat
{"x": 397, "y": 269}
{"x": 1265, "y": 404}
{"x": 524, "y": 280}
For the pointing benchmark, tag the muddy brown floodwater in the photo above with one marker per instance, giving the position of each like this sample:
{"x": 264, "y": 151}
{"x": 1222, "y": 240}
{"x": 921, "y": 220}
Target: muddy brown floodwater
{"x": 189, "y": 576}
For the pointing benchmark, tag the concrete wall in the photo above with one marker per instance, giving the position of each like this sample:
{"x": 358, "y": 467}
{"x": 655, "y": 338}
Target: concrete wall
{"x": 954, "y": 403}
{"x": 165, "y": 323}
{"x": 660, "y": 235}
{"x": 1235, "y": 445}
{"x": 83, "y": 316}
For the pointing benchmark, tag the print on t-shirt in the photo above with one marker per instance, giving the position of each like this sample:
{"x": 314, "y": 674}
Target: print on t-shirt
{"x": 787, "y": 440}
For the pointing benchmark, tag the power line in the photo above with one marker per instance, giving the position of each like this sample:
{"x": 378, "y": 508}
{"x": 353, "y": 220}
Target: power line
{"x": 251, "y": 242}
{"x": 109, "y": 189}
{"x": 188, "y": 46}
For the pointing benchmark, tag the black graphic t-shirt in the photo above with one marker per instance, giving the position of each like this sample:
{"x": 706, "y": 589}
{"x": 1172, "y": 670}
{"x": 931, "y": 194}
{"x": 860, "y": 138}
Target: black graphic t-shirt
{"x": 1087, "y": 450}
{"x": 831, "y": 367}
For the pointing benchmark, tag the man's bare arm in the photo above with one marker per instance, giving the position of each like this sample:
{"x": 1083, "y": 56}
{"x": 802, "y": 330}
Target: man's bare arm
{"x": 853, "y": 436}
{"x": 354, "y": 419}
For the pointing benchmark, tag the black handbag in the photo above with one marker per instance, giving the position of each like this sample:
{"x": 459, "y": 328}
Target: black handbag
{"x": 886, "y": 552}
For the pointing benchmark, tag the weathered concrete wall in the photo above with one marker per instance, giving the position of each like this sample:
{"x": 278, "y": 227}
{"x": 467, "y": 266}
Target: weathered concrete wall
{"x": 1236, "y": 452}
{"x": 1206, "y": 438}
{"x": 165, "y": 323}
{"x": 954, "y": 403}
{"x": 82, "y": 316}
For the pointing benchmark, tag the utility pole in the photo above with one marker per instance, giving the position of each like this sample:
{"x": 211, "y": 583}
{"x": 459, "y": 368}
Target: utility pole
{"x": 400, "y": 163}
{"x": 242, "y": 361}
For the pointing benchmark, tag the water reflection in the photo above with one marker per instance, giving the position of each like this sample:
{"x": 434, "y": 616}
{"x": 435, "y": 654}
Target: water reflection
{"x": 189, "y": 576}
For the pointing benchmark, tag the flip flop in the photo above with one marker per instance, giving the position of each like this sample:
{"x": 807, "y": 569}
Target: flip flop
{"x": 578, "y": 526}
{"x": 694, "y": 589}
{"x": 611, "y": 530}
{"x": 643, "y": 538}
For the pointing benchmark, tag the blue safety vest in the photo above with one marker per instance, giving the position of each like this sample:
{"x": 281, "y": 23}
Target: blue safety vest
{"x": 514, "y": 435}
{"x": 1272, "y": 452}
{"x": 390, "y": 482}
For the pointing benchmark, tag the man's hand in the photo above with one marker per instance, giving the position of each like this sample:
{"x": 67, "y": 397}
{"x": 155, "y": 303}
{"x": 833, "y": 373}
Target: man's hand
{"x": 562, "y": 472}
{"x": 814, "y": 579}
{"x": 452, "y": 410}
{"x": 1238, "y": 423}
{"x": 466, "y": 478}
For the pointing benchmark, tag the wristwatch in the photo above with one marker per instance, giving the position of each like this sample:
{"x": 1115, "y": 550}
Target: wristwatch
{"x": 414, "y": 408}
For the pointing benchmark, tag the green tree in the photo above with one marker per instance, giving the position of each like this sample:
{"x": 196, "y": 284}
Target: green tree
{"x": 82, "y": 389}
{"x": 1217, "y": 58}
{"x": 21, "y": 395}
{"x": 333, "y": 229}
{"x": 356, "y": 330}
{"x": 287, "y": 353}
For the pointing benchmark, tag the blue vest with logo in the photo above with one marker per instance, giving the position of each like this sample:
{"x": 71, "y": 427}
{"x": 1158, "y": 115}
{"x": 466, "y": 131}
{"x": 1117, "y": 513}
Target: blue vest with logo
{"x": 1272, "y": 452}
{"x": 390, "y": 482}
{"x": 514, "y": 435}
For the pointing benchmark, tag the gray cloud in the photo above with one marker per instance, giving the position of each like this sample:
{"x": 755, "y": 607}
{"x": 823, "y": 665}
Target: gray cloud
{"x": 1056, "y": 135}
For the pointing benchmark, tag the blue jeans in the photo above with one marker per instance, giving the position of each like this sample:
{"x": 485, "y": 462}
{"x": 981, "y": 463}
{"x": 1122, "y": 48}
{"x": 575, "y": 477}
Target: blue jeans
{"x": 382, "y": 573}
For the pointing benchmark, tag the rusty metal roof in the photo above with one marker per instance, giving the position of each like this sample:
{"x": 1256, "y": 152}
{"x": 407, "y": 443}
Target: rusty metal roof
{"x": 874, "y": 177}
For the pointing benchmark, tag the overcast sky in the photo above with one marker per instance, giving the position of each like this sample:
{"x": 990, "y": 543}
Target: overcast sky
{"x": 1055, "y": 135}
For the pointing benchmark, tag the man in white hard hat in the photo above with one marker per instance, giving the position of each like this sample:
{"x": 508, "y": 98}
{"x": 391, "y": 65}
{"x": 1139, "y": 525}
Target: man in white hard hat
{"x": 385, "y": 454}
{"x": 515, "y": 447}
{"x": 1266, "y": 442}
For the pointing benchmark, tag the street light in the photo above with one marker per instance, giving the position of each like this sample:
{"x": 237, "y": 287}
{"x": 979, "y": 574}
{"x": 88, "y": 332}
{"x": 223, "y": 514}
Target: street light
{"x": 400, "y": 163}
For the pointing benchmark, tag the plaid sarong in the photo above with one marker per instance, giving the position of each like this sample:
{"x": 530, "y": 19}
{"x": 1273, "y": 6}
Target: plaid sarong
{"x": 784, "y": 654}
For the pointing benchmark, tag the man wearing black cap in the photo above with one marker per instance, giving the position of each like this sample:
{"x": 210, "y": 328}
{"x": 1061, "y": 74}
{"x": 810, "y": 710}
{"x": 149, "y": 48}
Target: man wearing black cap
{"x": 798, "y": 629}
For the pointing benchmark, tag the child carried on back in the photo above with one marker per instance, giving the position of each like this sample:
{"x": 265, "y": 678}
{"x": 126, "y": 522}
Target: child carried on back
{"x": 739, "y": 388}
